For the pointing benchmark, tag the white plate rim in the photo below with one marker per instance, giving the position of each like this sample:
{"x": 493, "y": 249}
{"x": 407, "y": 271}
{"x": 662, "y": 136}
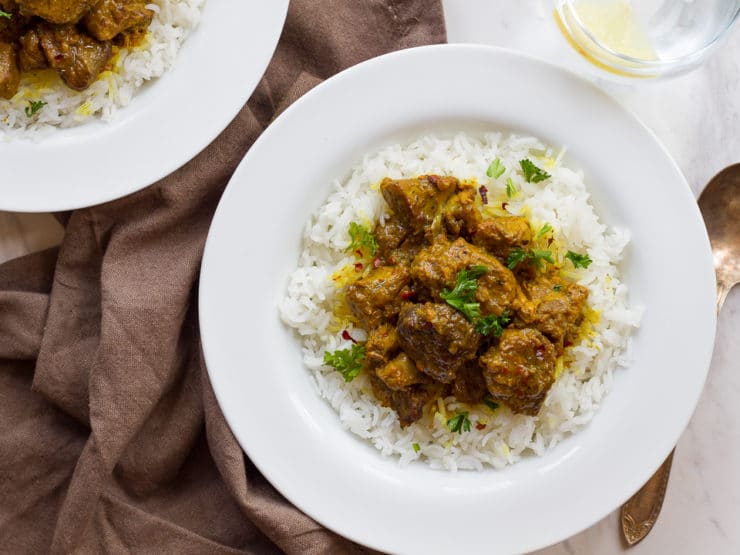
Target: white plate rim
{"x": 170, "y": 121}
{"x": 225, "y": 395}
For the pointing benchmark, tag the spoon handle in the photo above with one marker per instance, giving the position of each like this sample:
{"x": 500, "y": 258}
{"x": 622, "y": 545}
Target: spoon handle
{"x": 641, "y": 510}
{"x": 722, "y": 290}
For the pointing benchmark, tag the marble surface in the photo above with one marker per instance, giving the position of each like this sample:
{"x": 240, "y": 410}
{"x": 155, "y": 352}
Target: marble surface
{"x": 697, "y": 117}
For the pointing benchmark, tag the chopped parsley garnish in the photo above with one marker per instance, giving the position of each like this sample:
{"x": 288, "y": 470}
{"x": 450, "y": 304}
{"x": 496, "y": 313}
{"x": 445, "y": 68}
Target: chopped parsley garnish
{"x": 459, "y": 423}
{"x": 510, "y": 188}
{"x": 490, "y": 403}
{"x": 516, "y": 257}
{"x": 462, "y": 297}
{"x": 541, "y": 254}
{"x": 579, "y": 260}
{"x": 416, "y": 447}
{"x": 533, "y": 256}
{"x": 532, "y": 174}
{"x": 362, "y": 238}
{"x": 493, "y": 324}
{"x": 6, "y": 15}
{"x": 557, "y": 288}
{"x": 496, "y": 169}
{"x": 33, "y": 107}
{"x": 348, "y": 362}
{"x": 545, "y": 229}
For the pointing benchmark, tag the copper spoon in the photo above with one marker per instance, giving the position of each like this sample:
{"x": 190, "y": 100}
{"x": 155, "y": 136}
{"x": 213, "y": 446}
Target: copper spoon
{"x": 719, "y": 203}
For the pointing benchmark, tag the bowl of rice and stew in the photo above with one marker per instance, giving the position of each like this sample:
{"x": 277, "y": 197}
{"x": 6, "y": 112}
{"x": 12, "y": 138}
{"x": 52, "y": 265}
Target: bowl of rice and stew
{"x": 62, "y": 63}
{"x": 113, "y": 95}
{"x": 454, "y": 300}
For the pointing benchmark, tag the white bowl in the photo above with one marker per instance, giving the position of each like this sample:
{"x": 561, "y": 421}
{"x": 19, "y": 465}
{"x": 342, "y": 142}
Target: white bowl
{"x": 295, "y": 438}
{"x": 167, "y": 123}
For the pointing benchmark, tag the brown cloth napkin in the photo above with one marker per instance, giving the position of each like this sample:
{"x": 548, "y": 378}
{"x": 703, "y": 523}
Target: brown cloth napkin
{"x": 111, "y": 440}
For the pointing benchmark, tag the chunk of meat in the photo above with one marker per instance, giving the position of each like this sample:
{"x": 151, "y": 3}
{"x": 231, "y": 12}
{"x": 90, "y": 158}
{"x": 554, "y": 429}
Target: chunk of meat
{"x": 382, "y": 345}
{"x": 400, "y": 373}
{"x": 31, "y": 56}
{"x": 10, "y": 76}
{"x": 438, "y": 338}
{"x": 520, "y": 370}
{"x": 555, "y": 307}
{"x": 131, "y": 37}
{"x": 500, "y": 236}
{"x": 56, "y": 11}
{"x": 11, "y": 27}
{"x": 390, "y": 236}
{"x": 408, "y": 403}
{"x": 406, "y": 253}
{"x": 436, "y": 267}
{"x": 376, "y": 297}
{"x": 470, "y": 386}
{"x": 111, "y": 17}
{"x": 461, "y": 215}
{"x": 416, "y": 202}
{"x": 77, "y": 57}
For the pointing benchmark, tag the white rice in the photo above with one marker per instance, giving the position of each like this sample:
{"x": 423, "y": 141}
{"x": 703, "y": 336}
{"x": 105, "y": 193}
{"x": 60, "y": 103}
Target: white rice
{"x": 130, "y": 69}
{"x": 563, "y": 202}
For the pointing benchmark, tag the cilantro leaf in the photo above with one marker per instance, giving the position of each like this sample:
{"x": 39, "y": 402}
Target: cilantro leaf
{"x": 532, "y": 174}
{"x": 557, "y": 288}
{"x": 511, "y": 190}
{"x": 493, "y": 324}
{"x": 516, "y": 257}
{"x": 462, "y": 297}
{"x": 579, "y": 260}
{"x": 6, "y": 15}
{"x": 490, "y": 403}
{"x": 496, "y": 169}
{"x": 459, "y": 423}
{"x": 544, "y": 230}
{"x": 347, "y": 362}
{"x": 362, "y": 238}
{"x": 533, "y": 256}
{"x": 416, "y": 447}
{"x": 542, "y": 254}
{"x": 33, "y": 107}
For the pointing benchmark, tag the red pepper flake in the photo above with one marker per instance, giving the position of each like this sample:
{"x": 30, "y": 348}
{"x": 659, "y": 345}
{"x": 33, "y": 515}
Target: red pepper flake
{"x": 377, "y": 262}
{"x": 549, "y": 241}
{"x": 358, "y": 267}
{"x": 483, "y": 194}
{"x": 568, "y": 343}
{"x": 358, "y": 252}
{"x": 479, "y": 426}
{"x": 504, "y": 205}
{"x": 347, "y": 337}
{"x": 409, "y": 294}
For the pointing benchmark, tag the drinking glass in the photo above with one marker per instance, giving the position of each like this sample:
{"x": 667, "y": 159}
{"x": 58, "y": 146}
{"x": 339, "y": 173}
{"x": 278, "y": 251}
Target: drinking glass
{"x": 646, "y": 38}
